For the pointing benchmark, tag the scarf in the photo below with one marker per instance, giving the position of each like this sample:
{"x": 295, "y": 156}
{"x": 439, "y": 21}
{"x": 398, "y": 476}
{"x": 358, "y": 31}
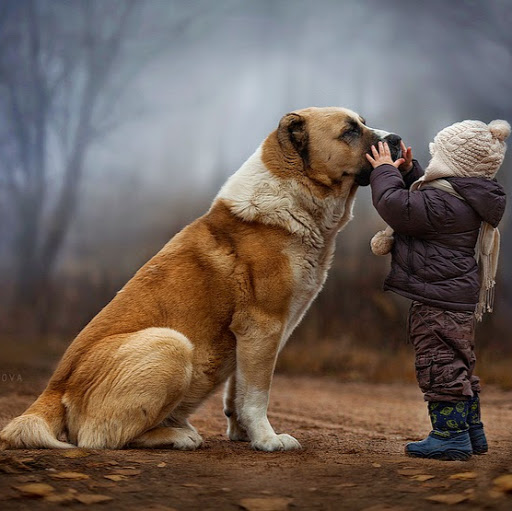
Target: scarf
{"x": 487, "y": 248}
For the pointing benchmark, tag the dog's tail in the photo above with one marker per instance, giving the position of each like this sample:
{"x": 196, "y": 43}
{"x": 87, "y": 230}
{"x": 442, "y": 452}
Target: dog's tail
{"x": 39, "y": 426}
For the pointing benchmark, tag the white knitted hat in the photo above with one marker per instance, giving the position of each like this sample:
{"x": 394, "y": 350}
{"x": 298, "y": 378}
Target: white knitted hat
{"x": 468, "y": 149}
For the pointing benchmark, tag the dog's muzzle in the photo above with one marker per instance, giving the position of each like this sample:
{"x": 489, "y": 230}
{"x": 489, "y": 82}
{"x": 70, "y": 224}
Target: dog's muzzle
{"x": 393, "y": 141}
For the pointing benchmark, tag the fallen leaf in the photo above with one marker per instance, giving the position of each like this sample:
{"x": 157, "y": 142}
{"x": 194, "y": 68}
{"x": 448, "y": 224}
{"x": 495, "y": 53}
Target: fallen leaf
{"x": 504, "y": 483}
{"x": 12, "y": 466}
{"x": 266, "y": 504}
{"x": 115, "y": 477}
{"x": 75, "y": 476}
{"x": 409, "y": 472}
{"x": 191, "y": 485}
{"x": 35, "y": 489}
{"x": 422, "y": 477}
{"x": 450, "y": 499}
{"x": 29, "y": 460}
{"x": 162, "y": 465}
{"x": 464, "y": 476}
{"x": 127, "y": 472}
{"x": 92, "y": 498}
{"x": 345, "y": 485}
{"x": 495, "y": 494}
{"x": 60, "y": 498}
{"x": 75, "y": 453}
{"x": 376, "y": 465}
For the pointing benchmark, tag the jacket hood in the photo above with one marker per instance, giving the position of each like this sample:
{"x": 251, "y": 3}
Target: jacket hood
{"x": 486, "y": 196}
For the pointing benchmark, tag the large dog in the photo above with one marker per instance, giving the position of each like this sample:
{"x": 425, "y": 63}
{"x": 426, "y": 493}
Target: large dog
{"x": 217, "y": 303}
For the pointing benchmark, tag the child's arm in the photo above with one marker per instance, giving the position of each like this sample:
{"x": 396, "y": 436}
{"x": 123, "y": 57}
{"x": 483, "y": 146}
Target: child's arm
{"x": 410, "y": 169}
{"x": 404, "y": 211}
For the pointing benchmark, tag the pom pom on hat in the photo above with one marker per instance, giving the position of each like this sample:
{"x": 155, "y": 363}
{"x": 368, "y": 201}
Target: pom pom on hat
{"x": 499, "y": 129}
{"x": 382, "y": 243}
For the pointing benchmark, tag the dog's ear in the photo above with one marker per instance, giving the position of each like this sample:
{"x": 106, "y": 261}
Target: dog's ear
{"x": 292, "y": 135}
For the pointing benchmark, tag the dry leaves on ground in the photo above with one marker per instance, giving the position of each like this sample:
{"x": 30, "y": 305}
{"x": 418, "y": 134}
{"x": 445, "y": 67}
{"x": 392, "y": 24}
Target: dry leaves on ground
{"x": 73, "y": 476}
{"x": 409, "y": 472}
{"x": 450, "y": 499}
{"x": 75, "y": 453}
{"x": 127, "y": 471}
{"x": 503, "y": 483}
{"x": 422, "y": 477}
{"x": 464, "y": 476}
{"x": 115, "y": 477}
{"x": 92, "y": 498}
{"x": 35, "y": 489}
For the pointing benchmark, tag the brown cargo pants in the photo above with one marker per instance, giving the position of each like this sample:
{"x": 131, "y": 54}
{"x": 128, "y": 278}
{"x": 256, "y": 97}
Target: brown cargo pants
{"x": 444, "y": 342}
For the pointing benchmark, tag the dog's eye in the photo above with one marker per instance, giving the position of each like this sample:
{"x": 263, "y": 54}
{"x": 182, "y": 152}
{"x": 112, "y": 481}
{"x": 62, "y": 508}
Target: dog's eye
{"x": 350, "y": 133}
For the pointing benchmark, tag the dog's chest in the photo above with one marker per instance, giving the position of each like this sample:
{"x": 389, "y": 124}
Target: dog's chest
{"x": 309, "y": 269}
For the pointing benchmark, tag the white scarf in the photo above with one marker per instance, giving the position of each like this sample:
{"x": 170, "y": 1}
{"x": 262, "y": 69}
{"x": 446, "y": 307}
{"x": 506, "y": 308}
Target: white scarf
{"x": 487, "y": 248}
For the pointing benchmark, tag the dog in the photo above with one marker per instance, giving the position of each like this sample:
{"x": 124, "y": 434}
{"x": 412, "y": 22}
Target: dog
{"x": 215, "y": 305}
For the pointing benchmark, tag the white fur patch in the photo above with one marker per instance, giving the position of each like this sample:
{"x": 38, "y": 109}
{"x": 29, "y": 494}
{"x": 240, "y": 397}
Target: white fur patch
{"x": 254, "y": 193}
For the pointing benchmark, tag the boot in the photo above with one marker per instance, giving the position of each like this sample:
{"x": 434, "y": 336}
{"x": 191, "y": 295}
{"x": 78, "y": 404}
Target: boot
{"x": 449, "y": 439}
{"x": 476, "y": 428}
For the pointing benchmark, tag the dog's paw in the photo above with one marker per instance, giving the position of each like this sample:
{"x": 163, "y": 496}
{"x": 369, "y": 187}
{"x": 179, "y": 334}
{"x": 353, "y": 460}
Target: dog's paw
{"x": 187, "y": 440}
{"x": 281, "y": 442}
{"x": 235, "y": 432}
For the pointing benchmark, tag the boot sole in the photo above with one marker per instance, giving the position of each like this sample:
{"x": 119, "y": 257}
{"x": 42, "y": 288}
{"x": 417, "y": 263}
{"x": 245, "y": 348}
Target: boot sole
{"x": 448, "y": 455}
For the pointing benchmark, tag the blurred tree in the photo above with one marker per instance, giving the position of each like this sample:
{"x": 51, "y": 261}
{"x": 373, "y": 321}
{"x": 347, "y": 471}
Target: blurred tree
{"x": 64, "y": 66}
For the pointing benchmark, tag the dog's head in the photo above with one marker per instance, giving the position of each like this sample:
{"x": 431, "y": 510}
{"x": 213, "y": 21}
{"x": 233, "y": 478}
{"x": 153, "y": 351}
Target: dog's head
{"x": 329, "y": 144}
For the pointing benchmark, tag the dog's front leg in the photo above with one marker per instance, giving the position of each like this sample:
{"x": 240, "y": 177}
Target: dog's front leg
{"x": 257, "y": 349}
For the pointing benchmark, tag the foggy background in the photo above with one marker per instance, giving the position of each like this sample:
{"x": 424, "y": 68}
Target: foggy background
{"x": 120, "y": 120}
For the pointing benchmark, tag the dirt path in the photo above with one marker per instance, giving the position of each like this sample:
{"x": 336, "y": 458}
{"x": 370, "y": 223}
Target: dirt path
{"x": 353, "y": 437}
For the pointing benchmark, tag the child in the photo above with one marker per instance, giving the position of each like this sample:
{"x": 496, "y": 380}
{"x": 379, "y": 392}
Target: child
{"x": 444, "y": 257}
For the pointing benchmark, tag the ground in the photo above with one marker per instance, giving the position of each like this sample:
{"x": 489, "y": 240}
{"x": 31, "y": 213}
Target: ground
{"x": 352, "y": 434}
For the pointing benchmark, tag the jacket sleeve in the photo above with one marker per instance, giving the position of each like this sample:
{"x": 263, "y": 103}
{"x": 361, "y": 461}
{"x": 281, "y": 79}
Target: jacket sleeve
{"x": 413, "y": 175}
{"x": 404, "y": 211}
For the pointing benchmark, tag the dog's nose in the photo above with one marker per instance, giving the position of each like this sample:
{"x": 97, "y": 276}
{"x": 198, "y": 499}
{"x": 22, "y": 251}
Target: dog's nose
{"x": 393, "y": 140}
{"x": 394, "y": 145}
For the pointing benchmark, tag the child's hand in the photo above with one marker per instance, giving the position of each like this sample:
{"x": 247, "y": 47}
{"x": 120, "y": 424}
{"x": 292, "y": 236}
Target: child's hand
{"x": 382, "y": 156}
{"x": 407, "y": 156}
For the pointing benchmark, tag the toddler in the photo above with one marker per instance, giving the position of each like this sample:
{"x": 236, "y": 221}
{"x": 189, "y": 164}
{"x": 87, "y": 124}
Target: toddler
{"x": 444, "y": 244}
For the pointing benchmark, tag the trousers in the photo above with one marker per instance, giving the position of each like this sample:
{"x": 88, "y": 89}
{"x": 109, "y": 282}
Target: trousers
{"x": 444, "y": 345}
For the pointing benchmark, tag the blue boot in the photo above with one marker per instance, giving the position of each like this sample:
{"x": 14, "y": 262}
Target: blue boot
{"x": 476, "y": 428}
{"x": 449, "y": 439}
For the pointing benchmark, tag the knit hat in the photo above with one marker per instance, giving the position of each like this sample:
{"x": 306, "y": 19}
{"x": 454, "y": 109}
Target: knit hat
{"x": 468, "y": 149}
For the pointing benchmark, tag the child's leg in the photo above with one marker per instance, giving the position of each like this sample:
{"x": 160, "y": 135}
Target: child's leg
{"x": 476, "y": 427}
{"x": 443, "y": 344}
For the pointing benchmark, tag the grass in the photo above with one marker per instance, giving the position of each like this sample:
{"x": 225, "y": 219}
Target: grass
{"x": 346, "y": 362}
{"x": 340, "y": 358}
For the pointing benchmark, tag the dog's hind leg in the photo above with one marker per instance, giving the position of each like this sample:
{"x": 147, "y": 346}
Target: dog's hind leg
{"x": 128, "y": 385}
{"x": 236, "y": 431}
{"x": 186, "y": 438}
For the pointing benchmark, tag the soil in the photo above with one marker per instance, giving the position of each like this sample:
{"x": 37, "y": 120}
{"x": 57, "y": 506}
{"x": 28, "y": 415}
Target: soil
{"x": 353, "y": 435}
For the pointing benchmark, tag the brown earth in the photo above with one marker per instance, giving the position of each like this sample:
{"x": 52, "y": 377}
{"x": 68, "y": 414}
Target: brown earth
{"x": 353, "y": 436}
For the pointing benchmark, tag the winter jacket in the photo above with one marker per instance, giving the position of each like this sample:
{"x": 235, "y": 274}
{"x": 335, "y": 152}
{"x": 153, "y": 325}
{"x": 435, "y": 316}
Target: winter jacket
{"x": 435, "y": 235}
